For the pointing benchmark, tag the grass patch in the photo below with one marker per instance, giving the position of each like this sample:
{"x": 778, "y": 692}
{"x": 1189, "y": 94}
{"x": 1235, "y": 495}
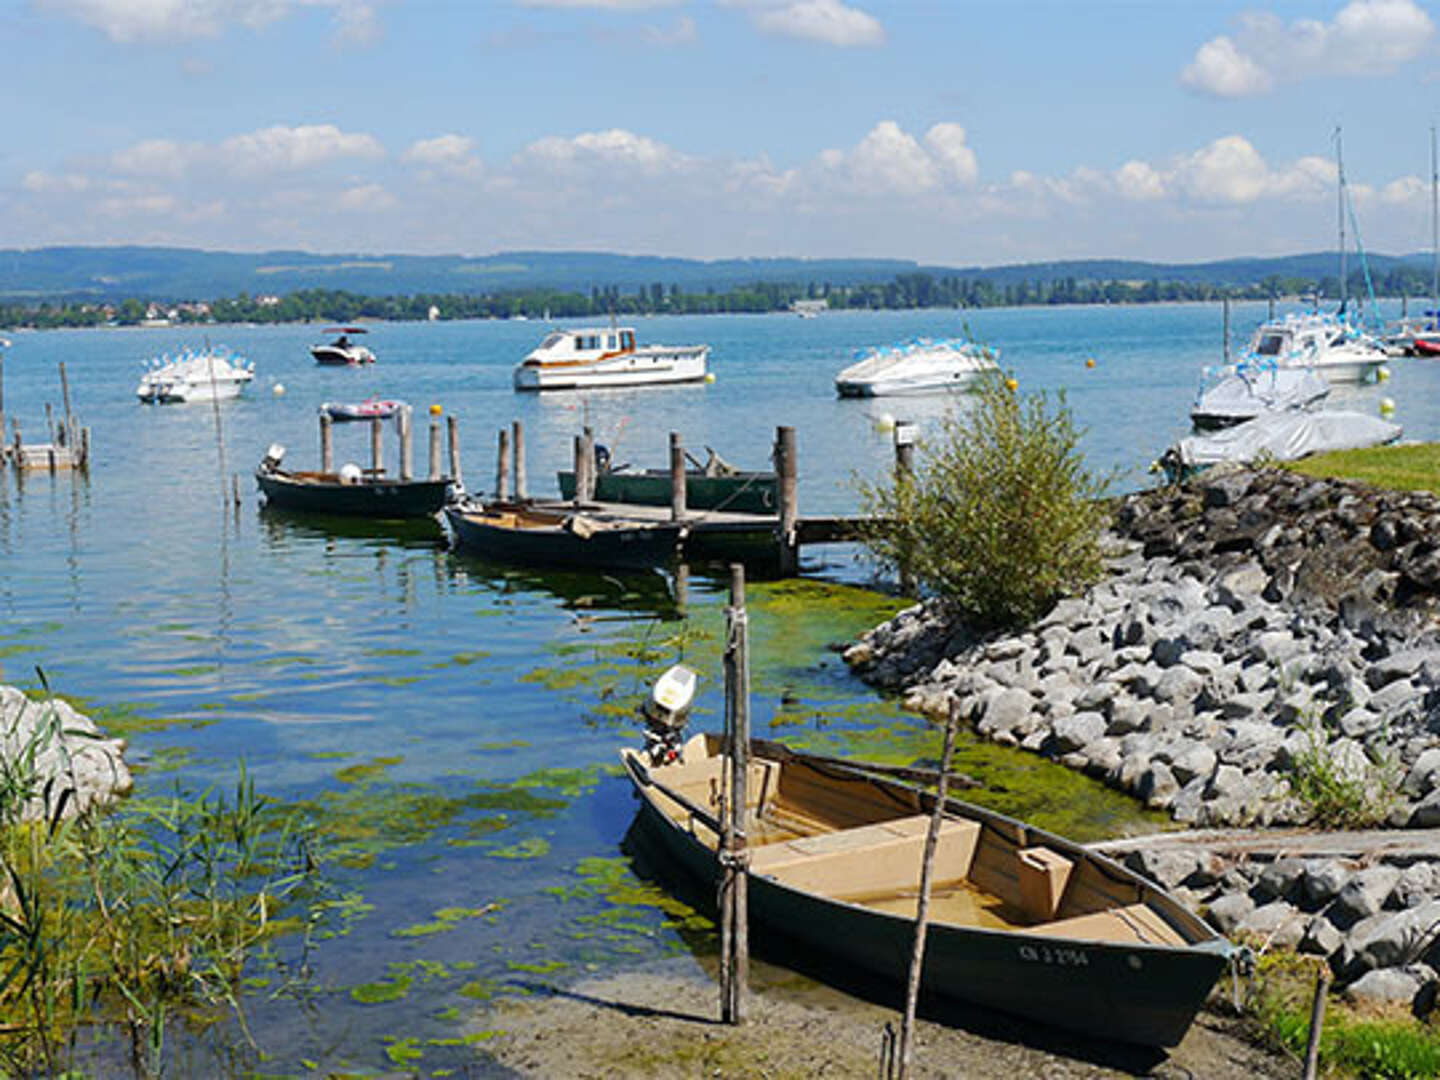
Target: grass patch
{"x": 1411, "y": 467}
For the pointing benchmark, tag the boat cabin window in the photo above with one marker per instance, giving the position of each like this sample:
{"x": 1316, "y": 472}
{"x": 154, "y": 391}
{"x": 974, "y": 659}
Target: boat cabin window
{"x": 1270, "y": 344}
{"x": 551, "y": 340}
{"x": 609, "y": 341}
{"x": 627, "y": 339}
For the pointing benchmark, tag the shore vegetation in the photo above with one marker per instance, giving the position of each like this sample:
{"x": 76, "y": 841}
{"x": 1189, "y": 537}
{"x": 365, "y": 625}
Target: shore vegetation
{"x": 1406, "y": 467}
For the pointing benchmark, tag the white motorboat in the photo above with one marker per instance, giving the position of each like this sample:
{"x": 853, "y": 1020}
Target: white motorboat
{"x": 919, "y": 366}
{"x": 195, "y": 375}
{"x": 608, "y": 356}
{"x": 1277, "y": 437}
{"x": 1244, "y": 391}
{"x": 1333, "y": 347}
{"x": 342, "y": 351}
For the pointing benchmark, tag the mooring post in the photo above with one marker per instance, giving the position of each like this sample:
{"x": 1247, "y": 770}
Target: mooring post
{"x": 677, "y": 477}
{"x": 517, "y": 440}
{"x": 65, "y": 399}
{"x": 434, "y": 449}
{"x": 788, "y": 551}
{"x": 1272, "y": 309}
{"x": 1227, "y": 328}
{"x": 586, "y": 492}
{"x": 682, "y": 587}
{"x": 327, "y": 444}
{"x": 50, "y": 425}
{"x": 904, "y": 474}
{"x": 407, "y": 465}
{"x": 1317, "y": 1023}
{"x": 377, "y": 452}
{"x": 502, "y": 465}
{"x": 235, "y": 488}
{"x": 735, "y": 854}
{"x": 85, "y": 448}
{"x": 3, "y": 343}
{"x": 922, "y": 908}
{"x": 454, "y": 433}
{"x": 19, "y": 446}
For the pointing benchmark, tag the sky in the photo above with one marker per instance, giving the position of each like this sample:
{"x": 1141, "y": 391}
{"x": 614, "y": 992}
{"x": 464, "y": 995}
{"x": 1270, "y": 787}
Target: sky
{"x": 951, "y": 132}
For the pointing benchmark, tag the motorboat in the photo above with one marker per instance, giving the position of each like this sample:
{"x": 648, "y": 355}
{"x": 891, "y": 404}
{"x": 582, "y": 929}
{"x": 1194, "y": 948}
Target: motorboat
{"x": 369, "y": 409}
{"x": 1020, "y": 920}
{"x": 1244, "y": 391}
{"x": 523, "y": 533}
{"x": 607, "y": 356}
{"x": 921, "y": 365}
{"x": 342, "y": 351}
{"x": 1276, "y": 437}
{"x": 209, "y": 374}
{"x": 713, "y": 485}
{"x": 349, "y": 492}
{"x": 1328, "y": 344}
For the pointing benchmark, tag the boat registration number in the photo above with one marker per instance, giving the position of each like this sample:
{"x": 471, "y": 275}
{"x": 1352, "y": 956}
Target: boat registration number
{"x": 1045, "y": 954}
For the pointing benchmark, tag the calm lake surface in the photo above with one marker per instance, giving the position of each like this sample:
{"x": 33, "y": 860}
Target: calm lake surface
{"x": 452, "y": 726}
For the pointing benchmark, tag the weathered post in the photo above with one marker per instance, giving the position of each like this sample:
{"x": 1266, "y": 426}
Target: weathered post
{"x": 586, "y": 493}
{"x": 922, "y": 907}
{"x": 434, "y": 449}
{"x": 502, "y": 465}
{"x": 1317, "y": 1023}
{"x": 677, "y": 477}
{"x": 3, "y": 344}
{"x": 377, "y": 452}
{"x": 517, "y": 439}
{"x": 734, "y": 852}
{"x": 454, "y": 434}
{"x": 1272, "y": 309}
{"x": 788, "y": 551}
{"x": 65, "y": 399}
{"x": 1227, "y": 329}
{"x": 235, "y": 488}
{"x": 50, "y": 425}
{"x": 19, "y": 446}
{"x": 682, "y": 587}
{"x": 407, "y": 467}
{"x": 85, "y": 448}
{"x": 327, "y": 444}
{"x": 904, "y": 474}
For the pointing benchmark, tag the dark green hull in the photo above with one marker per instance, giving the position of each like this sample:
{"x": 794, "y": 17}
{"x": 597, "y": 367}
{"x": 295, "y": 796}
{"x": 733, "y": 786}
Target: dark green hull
{"x": 744, "y": 493}
{"x": 320, "y": 493}
{"x": 641, "y": 547}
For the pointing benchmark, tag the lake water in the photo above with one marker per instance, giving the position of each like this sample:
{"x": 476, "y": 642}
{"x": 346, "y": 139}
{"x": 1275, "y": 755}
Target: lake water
{"x": 452, "y": 726}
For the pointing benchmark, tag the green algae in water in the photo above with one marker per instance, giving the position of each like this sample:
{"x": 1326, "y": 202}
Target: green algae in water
{"x": 446, "y": 919}
{"x": 532, "y": 847}
{"x": 404, "y": 652}
{"x": 370, "y": 770}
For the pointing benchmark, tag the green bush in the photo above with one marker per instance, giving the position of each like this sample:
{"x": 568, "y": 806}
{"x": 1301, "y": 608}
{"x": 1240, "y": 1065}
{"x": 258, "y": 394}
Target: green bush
{"x": 1000, "y": 518}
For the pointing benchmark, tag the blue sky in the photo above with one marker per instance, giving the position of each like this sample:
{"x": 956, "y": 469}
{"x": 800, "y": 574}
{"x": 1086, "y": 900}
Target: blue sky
{"x": 962, "y": 132}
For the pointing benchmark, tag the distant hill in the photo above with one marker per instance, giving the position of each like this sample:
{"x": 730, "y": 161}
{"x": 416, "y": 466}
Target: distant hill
{"x": 116, "y": 273}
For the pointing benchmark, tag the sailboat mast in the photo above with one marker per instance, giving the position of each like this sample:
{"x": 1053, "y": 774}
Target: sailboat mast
{"x": 1434, "y": 234}
{"x": 1340, "y": 204}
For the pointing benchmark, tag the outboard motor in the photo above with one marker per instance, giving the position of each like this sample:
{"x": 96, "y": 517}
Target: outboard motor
{"x": 666, "y": 713}
{"x": 273, "y": 456}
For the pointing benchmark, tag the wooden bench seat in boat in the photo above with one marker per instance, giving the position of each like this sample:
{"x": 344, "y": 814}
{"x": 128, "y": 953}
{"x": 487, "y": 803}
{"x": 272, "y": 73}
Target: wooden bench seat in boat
{"x": 1135, "y": 924}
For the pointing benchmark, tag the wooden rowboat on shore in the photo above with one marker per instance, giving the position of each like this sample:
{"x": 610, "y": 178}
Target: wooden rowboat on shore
{"x": 1020, "y": 920}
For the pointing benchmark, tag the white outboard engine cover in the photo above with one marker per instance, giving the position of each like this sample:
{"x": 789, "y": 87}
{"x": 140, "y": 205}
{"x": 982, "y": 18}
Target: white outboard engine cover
{"x": 667, "y": 711}
{"x": 273, "y": 456}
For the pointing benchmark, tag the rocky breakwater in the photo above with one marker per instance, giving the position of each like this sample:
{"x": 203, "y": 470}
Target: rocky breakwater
{"x": 1265, "y": 650}
{"x": 47, "y": 749}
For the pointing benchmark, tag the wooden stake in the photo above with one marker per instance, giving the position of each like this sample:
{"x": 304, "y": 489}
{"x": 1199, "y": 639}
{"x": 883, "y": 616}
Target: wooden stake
{"x": 65, "y": 398}
{"x": 922, "y": 909}
{"x": 327, "y": 444}
{"x": 677, "y": 477}
{"x": 1317, "y": 1023}
{"x": 788, "y": 552}
{"x": 734, "y": 854}
{"x": 517, "y": 441}
{"x": 434, "y": 449}
{"x": 904, "y": 473}
{"x": 454, "y": 433}
{"x": 84, "y": 448}
{"x": 402, "y": 423}
{"x": 502, "y": 466}
{"x": 377, "y": 451}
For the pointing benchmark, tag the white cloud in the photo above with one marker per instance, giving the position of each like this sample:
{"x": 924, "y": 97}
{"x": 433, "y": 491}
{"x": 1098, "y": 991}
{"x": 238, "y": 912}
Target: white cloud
{"x": 365, "y": 197}
{"x": 829, "y": 22}
{"x": 1367, "y": 36}
{"x": 130, "y": 21}
{"x": 280, "y": 149}
{"x": 456, "y": 152}
{"x": 602, "y": 5}
{"x": 616, "y": 147}
{"x": 43, "y": 183}
{"x": 1140, "y": 181}
{"x": 947, "y": 142}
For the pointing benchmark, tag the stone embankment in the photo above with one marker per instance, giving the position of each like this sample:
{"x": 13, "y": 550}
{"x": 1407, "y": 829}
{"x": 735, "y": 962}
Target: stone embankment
{"x": 1262, "y": 642}
{"x": 47, "y": 748}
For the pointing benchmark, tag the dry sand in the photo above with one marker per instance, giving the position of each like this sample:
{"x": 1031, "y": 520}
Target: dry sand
{"x": 662, "y": 1021}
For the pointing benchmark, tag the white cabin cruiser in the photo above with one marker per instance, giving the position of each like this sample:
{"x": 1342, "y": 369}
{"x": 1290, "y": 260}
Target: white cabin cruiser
{"x": 915, "y": 367}
{"x": 608, "y": 356}
{"x": 195, "y": 375}
{"x": 1244, "y": 391}
{"x": 342, "y": 350}
{"x": 1334, "y": 348}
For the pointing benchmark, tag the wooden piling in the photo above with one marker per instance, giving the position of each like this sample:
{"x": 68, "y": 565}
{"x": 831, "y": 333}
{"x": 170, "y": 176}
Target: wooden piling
{"x": 407, "y": 457}
{"x": 677, "y": 477}
{"x": 502, "y": 465}
{"x": 904, "y": 474}
{"x": 922, "y": 908}
{"x": 377, "y": 450}
{"x": 517, "y": 439}
{"x": 1317, "y": 1023}
{"x": 434, "y": 449}
{"x": 327, "y": 444}
{"x": 3, "y": 343}
{"x": 734, "y": 854}
{"x": 454, "y": 434}
{"x": 65, "y": 400}
{"x": 235, "y": 488}
{"x": 585, "y": 467}
{"x": 788, "y": 551}
{"x": 85, "y": 448}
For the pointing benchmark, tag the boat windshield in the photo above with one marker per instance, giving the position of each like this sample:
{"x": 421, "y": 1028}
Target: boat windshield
{"x": 551, "y": 340}
{"x": 1270, "y": 344}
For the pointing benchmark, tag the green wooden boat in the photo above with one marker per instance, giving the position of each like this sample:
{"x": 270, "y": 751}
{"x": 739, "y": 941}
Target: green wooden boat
{"x": 742, "y": 492}
{"x": 1021, "y": 920}
{"x": 364, "y": 496}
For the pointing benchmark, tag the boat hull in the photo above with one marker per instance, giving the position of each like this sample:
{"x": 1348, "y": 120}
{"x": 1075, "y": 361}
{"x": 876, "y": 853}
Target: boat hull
{"x": 337, "y": 356}
{"x": 182, "y": 393}
{"x": 867, "y": 388}
{"x": 324, "y": 493}
{"x": 641, "y": 546}
{"x": 748, "y": 493}
{"x": 642, "y": 367}
{"x": 1144, "y": 993}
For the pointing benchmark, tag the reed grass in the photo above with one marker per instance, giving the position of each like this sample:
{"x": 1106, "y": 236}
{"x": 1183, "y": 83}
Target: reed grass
{"x": 128, "y": 921}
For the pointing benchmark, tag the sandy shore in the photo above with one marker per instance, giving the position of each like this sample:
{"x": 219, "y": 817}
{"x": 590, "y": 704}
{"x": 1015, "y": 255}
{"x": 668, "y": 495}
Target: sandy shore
{"x": 662, "y": 1021}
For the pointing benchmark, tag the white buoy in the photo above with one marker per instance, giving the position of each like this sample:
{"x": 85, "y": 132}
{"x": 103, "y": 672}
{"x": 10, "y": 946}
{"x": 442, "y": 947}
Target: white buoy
{"x": 278, "y": 389}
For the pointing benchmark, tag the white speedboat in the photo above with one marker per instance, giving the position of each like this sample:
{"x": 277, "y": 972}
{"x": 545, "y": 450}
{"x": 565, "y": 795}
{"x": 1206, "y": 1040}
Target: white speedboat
{"x": 195, "y": 375}
{"x": 1244, "y": 391}
{"x": 1333, "y": 347}
{"x": 342, "y": 351}
{"x": 579, "y": 359}
{"x": 915, "y": 367}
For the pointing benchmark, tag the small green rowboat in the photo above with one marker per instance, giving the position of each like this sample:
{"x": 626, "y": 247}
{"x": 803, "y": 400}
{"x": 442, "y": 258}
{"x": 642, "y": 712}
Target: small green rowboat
{"x": 742, "y": 492}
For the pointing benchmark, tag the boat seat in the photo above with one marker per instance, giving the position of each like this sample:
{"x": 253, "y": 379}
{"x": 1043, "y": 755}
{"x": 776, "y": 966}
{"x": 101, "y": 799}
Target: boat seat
{"x": 882, "y": 856}
{"x": 1133, "y": 924}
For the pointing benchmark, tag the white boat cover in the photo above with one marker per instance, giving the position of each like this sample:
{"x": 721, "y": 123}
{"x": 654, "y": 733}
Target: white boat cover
{"x": 1249, "y": 392}
{"x": 1286, "y": 437}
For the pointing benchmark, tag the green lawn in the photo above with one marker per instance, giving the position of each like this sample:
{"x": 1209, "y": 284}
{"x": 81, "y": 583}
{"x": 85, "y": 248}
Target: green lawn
{"x": 1406, "y": 467}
